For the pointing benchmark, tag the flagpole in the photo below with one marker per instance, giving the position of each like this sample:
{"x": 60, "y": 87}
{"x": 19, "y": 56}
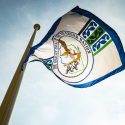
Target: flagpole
{"x": 11, "y": 94}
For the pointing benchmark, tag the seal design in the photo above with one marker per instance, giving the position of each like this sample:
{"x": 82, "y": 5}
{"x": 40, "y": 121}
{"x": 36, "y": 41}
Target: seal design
{"x": 73, "y": 59}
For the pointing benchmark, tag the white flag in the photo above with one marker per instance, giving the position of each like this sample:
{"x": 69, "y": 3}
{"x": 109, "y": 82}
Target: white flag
{"x": 80, "y": 49}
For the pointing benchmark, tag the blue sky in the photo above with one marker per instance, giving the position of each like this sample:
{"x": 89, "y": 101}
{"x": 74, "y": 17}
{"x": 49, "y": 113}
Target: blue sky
{"x": 44, "y": 99}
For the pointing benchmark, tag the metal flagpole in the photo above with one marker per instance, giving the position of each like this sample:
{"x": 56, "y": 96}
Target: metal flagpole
{"x": 11, "y": 94}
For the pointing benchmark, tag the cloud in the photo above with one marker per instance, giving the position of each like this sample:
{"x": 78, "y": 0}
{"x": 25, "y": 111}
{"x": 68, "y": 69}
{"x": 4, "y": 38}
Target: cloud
{"x": 44, "y": 99}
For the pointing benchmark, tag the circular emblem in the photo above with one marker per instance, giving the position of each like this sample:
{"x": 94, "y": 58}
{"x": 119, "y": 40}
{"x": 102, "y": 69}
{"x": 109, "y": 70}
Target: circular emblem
{"x": 73, "y": 59}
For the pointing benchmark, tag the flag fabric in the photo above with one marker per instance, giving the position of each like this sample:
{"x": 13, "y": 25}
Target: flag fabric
{"x": 80, "y": 49}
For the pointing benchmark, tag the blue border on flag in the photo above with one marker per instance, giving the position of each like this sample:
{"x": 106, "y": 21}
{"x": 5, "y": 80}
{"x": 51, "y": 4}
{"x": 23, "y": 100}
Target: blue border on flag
{"x": 108, "y": 29}
{"x": 116, "y": 41}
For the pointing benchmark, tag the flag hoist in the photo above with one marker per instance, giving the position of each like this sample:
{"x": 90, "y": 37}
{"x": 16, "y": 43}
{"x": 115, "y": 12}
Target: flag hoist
{"x": 11, "y": 94}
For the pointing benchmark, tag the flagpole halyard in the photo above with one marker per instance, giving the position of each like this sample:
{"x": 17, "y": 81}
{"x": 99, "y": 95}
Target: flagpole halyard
{"x": 11, "y": 94}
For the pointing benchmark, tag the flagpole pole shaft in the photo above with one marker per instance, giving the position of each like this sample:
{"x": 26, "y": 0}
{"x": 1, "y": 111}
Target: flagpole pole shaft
{"x": 11, "y": 94}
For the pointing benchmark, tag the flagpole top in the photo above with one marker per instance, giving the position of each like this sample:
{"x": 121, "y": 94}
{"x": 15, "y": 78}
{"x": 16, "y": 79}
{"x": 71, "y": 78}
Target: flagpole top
{"x": 36, "y": 26}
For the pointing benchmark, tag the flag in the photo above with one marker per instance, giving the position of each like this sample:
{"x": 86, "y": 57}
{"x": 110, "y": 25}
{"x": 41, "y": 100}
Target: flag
{"x": 80, "y": 49}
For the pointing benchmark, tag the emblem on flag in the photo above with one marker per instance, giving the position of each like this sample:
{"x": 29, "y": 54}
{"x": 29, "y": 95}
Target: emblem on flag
{"x": 73, "y": 59}
{"x": 80, "y": 49}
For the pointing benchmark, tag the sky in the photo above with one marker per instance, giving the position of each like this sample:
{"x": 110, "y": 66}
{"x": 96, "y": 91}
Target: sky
{"x": 43, "y": 99}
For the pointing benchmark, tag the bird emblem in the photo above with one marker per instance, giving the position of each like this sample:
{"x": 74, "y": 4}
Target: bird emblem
{"x": 75, "y": 56}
